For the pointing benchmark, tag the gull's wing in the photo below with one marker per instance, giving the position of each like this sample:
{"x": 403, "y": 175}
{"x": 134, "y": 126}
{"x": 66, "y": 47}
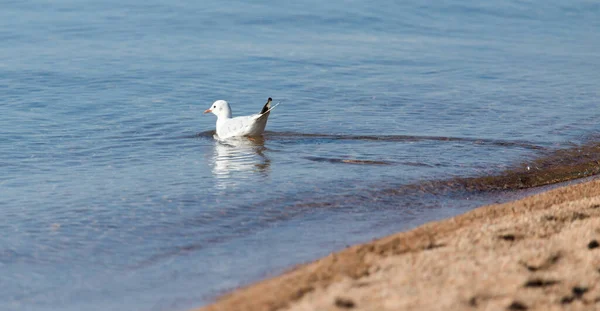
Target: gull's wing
{"x": 238, "y": 126}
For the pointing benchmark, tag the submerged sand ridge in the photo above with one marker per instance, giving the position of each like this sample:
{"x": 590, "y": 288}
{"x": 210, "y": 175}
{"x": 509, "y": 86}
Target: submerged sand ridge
{"x": 551, "y": 167}
{"x": 538, "y": 253}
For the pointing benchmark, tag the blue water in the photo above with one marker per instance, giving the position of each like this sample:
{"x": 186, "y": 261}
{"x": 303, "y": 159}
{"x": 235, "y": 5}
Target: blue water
{"x": 115, "y": 196}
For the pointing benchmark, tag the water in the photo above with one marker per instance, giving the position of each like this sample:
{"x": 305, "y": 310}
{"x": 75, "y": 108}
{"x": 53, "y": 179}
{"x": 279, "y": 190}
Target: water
{"x": 114, "y": 195}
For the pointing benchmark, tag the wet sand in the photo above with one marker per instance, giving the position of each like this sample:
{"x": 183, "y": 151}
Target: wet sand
{"x": 537, "y": 253}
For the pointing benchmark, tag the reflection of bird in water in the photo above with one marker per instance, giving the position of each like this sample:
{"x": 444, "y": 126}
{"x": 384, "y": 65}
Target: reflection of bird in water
{"x": 236, "y": 159}
{"x": 253, "y": 125}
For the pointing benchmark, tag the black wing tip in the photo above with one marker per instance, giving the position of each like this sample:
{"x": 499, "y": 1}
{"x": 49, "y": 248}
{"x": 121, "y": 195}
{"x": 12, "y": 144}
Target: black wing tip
{"x": 267, "y": 106}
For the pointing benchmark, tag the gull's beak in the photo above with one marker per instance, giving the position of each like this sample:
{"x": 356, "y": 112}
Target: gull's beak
{"x": 207, "y": 111}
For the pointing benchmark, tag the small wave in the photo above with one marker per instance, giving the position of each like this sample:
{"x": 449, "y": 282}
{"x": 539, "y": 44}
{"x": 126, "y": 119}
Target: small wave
{"x": 270, "y": 135}
{"x": 407, "y": 138}
{"x": 348, "y": 161}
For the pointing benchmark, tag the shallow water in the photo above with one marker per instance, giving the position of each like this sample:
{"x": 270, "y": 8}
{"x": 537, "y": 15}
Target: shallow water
{"x": 114, "y": 194}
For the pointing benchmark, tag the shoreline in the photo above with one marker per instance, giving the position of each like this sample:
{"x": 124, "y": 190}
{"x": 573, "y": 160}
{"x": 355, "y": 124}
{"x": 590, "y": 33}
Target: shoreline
{"x": 534, "y": 253}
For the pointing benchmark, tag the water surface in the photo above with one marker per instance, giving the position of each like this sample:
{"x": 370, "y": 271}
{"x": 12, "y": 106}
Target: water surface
{"x": 114, "y": 194}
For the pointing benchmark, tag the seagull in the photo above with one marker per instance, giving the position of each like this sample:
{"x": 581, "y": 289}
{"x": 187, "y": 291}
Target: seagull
{"x": 252, "y": 125}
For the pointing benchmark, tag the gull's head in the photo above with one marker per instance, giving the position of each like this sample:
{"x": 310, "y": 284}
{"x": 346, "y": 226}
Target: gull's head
{"x": 220, "y": 108}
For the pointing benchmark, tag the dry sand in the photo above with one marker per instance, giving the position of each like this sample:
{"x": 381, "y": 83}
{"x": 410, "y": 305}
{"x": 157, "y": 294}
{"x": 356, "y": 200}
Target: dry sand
{"x": 538, "y": 253}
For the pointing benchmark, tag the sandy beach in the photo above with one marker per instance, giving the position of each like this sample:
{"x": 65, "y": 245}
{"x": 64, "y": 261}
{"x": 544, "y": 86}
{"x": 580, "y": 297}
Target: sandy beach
{"x": 538, "y": 253}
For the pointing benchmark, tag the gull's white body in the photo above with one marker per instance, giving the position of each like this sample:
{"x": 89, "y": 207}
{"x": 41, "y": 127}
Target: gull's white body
{"x": 252, "y": 125}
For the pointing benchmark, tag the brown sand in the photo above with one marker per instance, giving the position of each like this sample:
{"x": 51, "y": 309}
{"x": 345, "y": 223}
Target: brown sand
{"x": 538, "y": 253}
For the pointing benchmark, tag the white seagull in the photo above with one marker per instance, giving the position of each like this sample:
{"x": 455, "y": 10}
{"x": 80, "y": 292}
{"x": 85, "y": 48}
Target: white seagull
{"x": 252, "y": 125}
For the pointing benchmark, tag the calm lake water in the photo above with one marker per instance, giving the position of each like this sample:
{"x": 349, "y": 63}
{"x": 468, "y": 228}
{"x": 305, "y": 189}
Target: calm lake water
{"x": 115, "y": 196}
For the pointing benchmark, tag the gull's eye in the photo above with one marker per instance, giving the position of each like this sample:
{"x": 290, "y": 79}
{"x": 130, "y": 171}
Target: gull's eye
{"x": 215, "y": 106}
